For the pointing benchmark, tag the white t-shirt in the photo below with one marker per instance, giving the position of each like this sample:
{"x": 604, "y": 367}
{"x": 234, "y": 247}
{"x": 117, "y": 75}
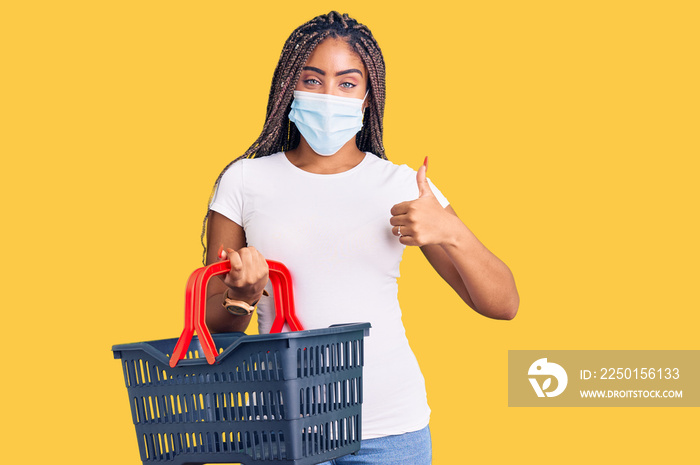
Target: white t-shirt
{"x": 333, "y": 233}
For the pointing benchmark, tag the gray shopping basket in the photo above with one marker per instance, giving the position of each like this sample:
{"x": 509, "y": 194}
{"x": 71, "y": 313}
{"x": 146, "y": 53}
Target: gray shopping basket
{"x": 286, "y": 398}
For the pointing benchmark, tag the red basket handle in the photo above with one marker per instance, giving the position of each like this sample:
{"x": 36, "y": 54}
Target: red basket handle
{"x": 183, "y": 343}
{"x": 195, "y": 307}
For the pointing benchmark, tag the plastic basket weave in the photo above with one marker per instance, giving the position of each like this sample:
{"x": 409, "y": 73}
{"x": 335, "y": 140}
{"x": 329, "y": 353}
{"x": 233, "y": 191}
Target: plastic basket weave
{"x": 288, "y": 398}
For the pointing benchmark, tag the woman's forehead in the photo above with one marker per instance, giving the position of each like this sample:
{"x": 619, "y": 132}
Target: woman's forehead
{"x": 335, "y": 54}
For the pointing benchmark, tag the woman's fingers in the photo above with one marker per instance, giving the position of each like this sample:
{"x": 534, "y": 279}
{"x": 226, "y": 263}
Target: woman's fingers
{"x": 398, "y": 220}
{"x": 401, "y": 208}
{"x": 252, "y": 260}
{"x": 401, "y": 230}
{"x": 249, "y": 272}
{"x": 405, "y": 235}
{"x": 236, "y": 261}
{"x": 418, "y": 222}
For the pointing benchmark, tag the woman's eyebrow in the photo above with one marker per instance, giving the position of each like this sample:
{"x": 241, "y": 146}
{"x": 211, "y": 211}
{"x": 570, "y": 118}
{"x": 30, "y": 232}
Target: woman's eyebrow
{"x": 315, "y": 70}
{"x": 348, "y": 71}
{"x": 340, "y": 73}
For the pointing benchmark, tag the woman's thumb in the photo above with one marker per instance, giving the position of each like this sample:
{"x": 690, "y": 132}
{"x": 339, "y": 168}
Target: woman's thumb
{"x": 422, "y": 180}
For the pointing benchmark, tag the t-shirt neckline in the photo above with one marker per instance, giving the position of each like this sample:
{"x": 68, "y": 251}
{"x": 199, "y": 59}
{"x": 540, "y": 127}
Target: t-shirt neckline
{"x": 363, "y": 162}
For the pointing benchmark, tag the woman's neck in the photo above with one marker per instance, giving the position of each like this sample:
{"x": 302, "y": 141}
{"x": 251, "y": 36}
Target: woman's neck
{"x": 304, "y": 158}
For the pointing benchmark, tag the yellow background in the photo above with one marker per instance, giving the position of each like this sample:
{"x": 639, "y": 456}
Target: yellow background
{"x": 565, "y": 134}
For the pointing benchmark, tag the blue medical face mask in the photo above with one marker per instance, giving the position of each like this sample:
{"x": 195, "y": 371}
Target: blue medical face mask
{"x": 326, "y": 121}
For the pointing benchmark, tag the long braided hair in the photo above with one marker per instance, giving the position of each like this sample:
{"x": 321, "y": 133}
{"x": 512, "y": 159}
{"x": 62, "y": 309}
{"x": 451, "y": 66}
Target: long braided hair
{"x": 280, "y": 134}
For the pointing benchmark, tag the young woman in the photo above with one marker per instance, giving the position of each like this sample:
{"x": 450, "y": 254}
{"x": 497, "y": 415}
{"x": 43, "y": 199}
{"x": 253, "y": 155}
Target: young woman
{"x": 316, "y": 192}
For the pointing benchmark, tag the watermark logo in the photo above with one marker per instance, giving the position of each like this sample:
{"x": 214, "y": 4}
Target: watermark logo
{"x": 542, "y": 368}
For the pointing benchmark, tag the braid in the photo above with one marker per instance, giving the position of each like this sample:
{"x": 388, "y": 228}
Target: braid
{"x": 280, "y": 134}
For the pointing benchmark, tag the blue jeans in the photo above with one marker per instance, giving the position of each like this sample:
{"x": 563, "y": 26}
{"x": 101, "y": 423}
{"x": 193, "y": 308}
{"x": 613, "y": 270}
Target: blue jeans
{"x": 403, "y": 449}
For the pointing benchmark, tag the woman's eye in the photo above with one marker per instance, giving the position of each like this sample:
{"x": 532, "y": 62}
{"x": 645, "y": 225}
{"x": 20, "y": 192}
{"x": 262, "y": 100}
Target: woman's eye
{"x": 348, "y": 85}
{"x": 311, "y": 81}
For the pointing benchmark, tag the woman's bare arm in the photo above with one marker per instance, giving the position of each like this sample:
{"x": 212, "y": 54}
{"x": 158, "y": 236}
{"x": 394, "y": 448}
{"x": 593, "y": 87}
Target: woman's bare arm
{"x": 480, "y": 278}
{"x": 245, "y": 281}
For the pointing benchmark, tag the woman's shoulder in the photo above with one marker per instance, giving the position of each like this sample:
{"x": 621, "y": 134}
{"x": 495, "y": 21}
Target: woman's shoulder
{"x": 402, "y": 177}
{"x": 255, "y": 163}
{"x": 389, "y": 168}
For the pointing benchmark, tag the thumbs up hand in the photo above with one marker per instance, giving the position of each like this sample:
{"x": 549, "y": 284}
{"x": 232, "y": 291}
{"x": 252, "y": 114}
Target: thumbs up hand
{"x": 422, "y": 221}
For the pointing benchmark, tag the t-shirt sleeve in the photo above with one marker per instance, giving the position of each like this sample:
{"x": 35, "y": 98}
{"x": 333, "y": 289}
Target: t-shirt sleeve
{"x": 228, "y": 198}
{"x": 438, "y": 195}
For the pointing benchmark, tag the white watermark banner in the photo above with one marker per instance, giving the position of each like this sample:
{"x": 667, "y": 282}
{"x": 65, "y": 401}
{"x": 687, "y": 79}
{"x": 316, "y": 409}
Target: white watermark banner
{"x": 604, "y": 378}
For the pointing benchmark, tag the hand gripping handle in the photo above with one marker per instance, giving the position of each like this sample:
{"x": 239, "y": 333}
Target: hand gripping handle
{"x": 195, "y": 307}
